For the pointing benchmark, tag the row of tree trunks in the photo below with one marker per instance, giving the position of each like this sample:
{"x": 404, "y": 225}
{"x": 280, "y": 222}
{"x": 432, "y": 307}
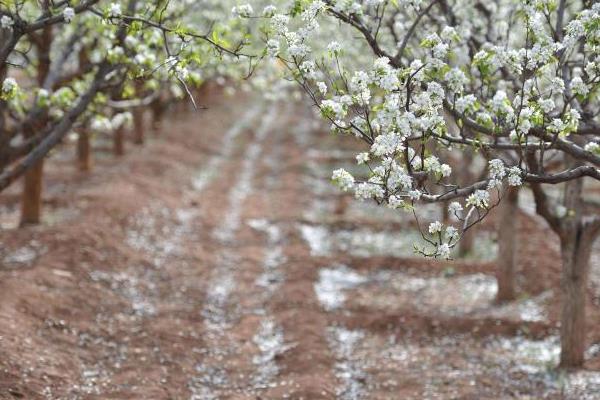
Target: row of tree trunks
{"x": 84, "y": 141}
{"x": 31, "y": 201}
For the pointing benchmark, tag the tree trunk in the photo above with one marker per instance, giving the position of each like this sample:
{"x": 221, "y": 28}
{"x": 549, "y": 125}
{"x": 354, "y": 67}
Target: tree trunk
{"x": 31, "y": 202}
{"x": 84, "y": 151}
{"x": 138, "y": 125}
{"x": 158, "y": 111}
{"x": 119, "y": 142}
{"x": 180, "y": 107}
{"x": 507, "y": 245}
{"x": 576, "y": 261}
{"x": 576, "y": 245}
{"x": 465, "y": 245}
{"x": 3, "y": 108}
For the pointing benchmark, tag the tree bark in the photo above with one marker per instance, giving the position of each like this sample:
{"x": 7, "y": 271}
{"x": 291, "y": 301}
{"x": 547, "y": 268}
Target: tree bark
{"x": 576, "y": 245}
{"x": 158, "y": 111}
{"x": 119, "y": 142}
{"x": 507, "y": 245}
{"x": 84, "y": 151}
{"x": 180, "y": 107}
{"x": 138, "y": 125}
{"x": 576, "y": 259}
{"x": 31, "y": 202}
{"x": 465, "y": 245}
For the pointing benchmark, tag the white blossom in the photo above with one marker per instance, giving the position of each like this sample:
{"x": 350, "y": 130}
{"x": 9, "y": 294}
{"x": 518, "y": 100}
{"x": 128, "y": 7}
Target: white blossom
{"x": 368, "y": 190}
{"x": 362, "y": 158}
{"x": 269, "y": 11}
{"x": 334, "y": 47}
{"x": 435, "y": 227}
{"x": 343, "y": 179}
{"x": 414, "y": 194}
{"x": 579, "y": 86}
{"x": 443, "y": 250}
{"x": 242, "y": 11}
{"x": 455, "y": 207}
{"x": 114, "y": 10}
{"x": 592, "y": 147}
{"x": 6, "y": 22}
{"x": 464, "y": 103}
{"x": 514, "y": 176}
{"x": 8, "y": 85}
{"x": 273, "y": 47}
{"x": 479, "y": 199}
{"x": 68, "y": 14}
{"x": 451, "y": 233}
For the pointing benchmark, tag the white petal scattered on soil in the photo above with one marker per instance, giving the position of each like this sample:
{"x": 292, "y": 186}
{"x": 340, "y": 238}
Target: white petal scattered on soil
{"x": 332, "y": 283}
{"x": 158, "y": 231}
{"x": 583, "y": 385}
{"x": 131, "y": 287}
{"x": 316, "y": 238}
{"x": 269, "y": 339}
{"x": 348, "y": 365}
{"x": 208, "y": 172}
{"x": 270, "y": 342}
{"x": 218, "y": 310}
{"x": 365, "y": 242}
{"x": 24, "y": 255}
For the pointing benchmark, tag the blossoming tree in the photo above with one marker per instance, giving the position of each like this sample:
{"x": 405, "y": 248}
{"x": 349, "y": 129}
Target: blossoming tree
{"x": 514, "y": 81}
{"x": 66, "y": 63}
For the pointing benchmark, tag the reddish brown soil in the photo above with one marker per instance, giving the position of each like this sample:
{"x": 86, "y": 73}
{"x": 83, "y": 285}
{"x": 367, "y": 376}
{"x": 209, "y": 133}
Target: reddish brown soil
{"x": 141, "y": 284}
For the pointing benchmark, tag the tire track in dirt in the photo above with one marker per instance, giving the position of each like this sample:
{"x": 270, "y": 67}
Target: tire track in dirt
{"x": 209, "y": 172}
{"x": 213, "y": 378}
{"x": 306, "y": 367}
{"x": 349, "y": 371}
{"x": 269, "y": 336}
{"x": 159, "y": 232}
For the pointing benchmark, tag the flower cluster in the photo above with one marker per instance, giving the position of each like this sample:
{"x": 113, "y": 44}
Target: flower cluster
{"x": 9, "y": 89}
{"x": 6, "y": 22}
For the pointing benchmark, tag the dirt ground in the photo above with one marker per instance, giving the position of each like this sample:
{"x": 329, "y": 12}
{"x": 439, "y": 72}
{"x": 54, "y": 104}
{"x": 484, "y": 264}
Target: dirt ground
{"x": 217, "y": 262}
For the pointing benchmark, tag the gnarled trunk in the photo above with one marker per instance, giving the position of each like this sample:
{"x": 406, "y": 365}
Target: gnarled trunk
{"x": 31, "y": 202}
{"x": 84, "y": 151}
{"x": 507, "y": 245}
